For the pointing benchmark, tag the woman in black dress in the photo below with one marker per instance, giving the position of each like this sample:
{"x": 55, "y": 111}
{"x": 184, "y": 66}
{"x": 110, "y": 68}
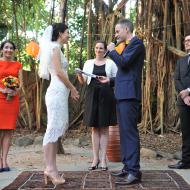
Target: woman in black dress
{"x": 100, "y": 103}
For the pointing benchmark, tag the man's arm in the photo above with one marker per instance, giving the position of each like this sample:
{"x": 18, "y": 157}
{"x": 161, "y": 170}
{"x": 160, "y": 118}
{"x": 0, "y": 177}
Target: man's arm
{"x": 127, "y": 57}
{"x": 177, "y": 78}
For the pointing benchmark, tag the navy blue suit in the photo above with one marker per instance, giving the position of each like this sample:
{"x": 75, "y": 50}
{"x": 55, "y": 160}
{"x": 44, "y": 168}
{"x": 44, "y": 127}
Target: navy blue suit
{"x": 128, "y": 94}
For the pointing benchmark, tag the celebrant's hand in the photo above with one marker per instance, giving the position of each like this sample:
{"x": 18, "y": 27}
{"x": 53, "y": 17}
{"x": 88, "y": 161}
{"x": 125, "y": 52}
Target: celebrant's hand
{"x": 103, "y": 79}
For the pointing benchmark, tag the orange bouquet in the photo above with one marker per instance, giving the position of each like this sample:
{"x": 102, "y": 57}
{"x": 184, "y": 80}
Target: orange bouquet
{"x": 11, "y": 83}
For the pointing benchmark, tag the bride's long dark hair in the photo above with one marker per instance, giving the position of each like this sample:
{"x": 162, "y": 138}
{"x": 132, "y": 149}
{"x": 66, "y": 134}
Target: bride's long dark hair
{"x": 57, "y": 28}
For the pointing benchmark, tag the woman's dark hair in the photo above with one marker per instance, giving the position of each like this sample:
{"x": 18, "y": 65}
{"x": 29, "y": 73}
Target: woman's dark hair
{"x": 102, "y": 42}
{"x": 186, "y": 34}
{"x": 57, "y": 28}
{"x": 7, "y": 41}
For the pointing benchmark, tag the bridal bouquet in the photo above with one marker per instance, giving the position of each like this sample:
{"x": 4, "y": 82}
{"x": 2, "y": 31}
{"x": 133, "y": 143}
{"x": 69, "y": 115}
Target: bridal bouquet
{"x": 11, "y": 83}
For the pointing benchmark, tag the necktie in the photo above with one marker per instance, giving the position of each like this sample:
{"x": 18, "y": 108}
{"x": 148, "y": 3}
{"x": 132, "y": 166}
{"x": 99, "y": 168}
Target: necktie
{"x": 188, "y": 60}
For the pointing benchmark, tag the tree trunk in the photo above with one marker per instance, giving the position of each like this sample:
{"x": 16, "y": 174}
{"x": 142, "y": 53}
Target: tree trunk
{"x": 89, "y": 31}
{"x": 64, "y": 11}
{"x": 82, "y": 37}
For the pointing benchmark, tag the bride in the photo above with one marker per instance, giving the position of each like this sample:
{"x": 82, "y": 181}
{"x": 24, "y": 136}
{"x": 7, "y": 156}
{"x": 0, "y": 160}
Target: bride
{"x": 53, "y": 63}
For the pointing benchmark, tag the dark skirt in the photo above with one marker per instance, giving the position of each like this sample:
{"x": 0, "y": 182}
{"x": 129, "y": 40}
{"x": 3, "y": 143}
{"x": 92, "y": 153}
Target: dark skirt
{"x": 100, "y": 105}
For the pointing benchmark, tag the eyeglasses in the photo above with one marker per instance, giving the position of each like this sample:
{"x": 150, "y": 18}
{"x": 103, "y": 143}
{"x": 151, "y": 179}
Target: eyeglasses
{"x": 186, "y": 41}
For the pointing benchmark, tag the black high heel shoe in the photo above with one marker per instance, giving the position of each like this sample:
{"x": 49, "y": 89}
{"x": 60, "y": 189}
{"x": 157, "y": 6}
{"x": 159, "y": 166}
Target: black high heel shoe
{"x": 94, "y": 167}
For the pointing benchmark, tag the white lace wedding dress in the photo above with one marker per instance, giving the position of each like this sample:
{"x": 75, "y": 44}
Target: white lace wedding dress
{"x": 57, "y": 103}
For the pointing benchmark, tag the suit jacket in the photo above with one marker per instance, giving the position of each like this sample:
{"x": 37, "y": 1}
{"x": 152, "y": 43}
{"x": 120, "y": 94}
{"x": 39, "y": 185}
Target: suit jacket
{"x": 182, "y": 77}
{"x": 129, "y": 75}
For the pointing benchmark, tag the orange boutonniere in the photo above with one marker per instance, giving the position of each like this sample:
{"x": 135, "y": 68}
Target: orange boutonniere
{"x": 121, "y": 46}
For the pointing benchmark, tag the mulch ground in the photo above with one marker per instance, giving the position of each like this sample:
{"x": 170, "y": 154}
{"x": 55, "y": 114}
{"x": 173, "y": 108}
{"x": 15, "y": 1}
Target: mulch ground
{"x": 100, "y": 180}
{"x": 169, "y": 142}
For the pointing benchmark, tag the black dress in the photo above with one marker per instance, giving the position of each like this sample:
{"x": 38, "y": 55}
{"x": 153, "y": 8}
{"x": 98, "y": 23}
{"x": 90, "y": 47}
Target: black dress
{"x": 100, "y": 103}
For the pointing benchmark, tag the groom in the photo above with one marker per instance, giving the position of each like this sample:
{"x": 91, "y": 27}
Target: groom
{"x": 128, "y": 95}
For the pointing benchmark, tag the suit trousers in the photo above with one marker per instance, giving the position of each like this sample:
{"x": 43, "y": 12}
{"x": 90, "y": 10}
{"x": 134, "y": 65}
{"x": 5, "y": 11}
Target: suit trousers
{"x": 184, "y": 114}
{"x": 128, "y": 113}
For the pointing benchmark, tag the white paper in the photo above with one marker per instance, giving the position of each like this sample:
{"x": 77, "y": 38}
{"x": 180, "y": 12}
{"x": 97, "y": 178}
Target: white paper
{"x": 77, "y": 70}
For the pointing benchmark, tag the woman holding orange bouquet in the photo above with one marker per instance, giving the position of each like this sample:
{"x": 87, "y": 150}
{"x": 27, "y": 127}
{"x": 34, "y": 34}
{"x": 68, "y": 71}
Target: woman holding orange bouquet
{"x": 8, "y": 108}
